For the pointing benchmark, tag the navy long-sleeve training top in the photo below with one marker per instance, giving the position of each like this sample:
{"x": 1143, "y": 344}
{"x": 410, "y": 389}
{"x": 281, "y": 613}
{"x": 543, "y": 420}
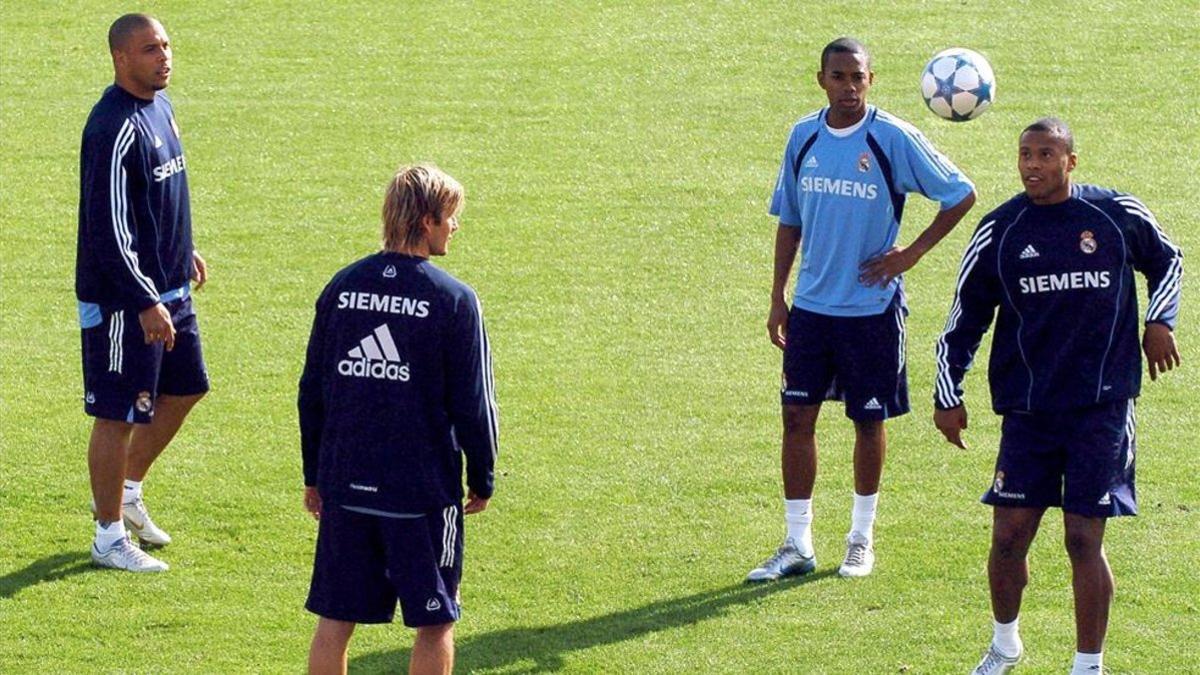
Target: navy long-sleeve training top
{"x": 1062, "y": 276}
{"x": 397, "y": 388}
{"x": 135, "y": 223}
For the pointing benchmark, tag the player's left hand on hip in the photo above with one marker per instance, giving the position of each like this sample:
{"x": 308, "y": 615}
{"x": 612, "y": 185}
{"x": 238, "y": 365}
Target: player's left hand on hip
{"x": 879, "y": 270}
{"x": 199, "y": 270}
{"x": 1162, "y": 354}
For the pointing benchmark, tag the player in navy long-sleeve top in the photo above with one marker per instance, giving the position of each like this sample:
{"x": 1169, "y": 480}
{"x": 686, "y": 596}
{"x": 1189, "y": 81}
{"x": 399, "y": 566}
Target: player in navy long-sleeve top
{"x": 1058, "y": 262}
{"x": 396, "y": 391}
{"x": 143, "y": 366}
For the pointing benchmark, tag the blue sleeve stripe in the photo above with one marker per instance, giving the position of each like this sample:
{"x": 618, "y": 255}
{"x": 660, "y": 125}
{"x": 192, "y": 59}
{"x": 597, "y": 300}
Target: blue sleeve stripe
{"x": 935, "y": 159}
{"x": 945, "y": 383}
{"x": 118, "y": 191}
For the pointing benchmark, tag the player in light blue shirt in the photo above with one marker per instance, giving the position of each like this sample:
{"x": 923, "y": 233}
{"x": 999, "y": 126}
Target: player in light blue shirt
{"x": 840, "y": 195}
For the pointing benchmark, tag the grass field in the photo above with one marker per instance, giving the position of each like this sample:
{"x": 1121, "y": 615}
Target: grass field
{"x": 618, "y": 159}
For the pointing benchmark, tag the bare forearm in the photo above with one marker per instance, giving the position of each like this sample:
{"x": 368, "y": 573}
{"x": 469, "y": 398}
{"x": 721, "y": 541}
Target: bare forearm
{"x": 787, "y": 242}
{"x": 942, "y": 224}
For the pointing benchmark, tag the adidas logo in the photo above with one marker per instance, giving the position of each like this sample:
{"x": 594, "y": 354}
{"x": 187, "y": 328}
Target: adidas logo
{"x": 389, "y": 272}
{"x": 873, "y": 404}
{"x": 1105, "y": 500}
{"x": 433, "y": 605}
{"x": 1029, "y": 252}
{"x": 375, "y": 357}
{"x": 158, "y": 142}
{"x": 811, "y": 163}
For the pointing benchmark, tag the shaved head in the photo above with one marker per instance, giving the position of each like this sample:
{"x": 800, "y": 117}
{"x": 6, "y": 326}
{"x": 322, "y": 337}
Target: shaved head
{"x": 121, "y": 29}
{"x": 844, "y": 45}
{"x": 1055, "y": 128}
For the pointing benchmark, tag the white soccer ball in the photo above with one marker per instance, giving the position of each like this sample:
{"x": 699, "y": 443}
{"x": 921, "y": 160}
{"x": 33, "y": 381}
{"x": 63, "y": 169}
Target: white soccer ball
{"x": 958, "y": 84}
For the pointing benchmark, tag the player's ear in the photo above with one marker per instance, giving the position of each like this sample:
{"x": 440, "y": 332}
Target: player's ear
{"x": 428, "y": 222}
{"x": 1072, "y": 160}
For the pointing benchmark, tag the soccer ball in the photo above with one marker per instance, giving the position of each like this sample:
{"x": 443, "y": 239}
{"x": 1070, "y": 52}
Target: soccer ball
{"x": 958, "y": 85}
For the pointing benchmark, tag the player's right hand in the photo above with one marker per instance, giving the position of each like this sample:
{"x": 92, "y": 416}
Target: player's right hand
{"x": 312, "y": 501}
{"x": 157, "y": 326}
{"x": 474, "y": 504}
{"x": 777, "y": 322}
{"x": 951, "y": 423}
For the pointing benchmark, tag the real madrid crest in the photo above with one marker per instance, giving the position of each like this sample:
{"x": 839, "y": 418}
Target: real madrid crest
{"x": 144, "y": 404}
{"x": 1087, "y": 242}
{"x": 864, "y": 163}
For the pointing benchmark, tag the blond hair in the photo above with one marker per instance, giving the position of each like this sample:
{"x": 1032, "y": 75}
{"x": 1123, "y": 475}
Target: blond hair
{"x": 415, "y": 192}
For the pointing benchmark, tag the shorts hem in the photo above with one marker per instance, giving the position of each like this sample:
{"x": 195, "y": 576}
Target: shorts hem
{"x": 348, "y": 616}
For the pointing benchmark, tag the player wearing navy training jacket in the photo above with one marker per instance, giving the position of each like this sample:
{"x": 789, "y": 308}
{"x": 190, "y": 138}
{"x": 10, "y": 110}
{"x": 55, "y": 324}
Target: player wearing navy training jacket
{"x": 143, "y": 368}
{"x": 396, "y": 390}
{"x": 845, "y": 175}
{"x": 1058, "y": 261}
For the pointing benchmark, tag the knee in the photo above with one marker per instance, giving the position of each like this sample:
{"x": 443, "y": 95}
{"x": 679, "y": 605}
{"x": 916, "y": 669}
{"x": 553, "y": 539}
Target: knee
{"x": 799, "y": 421}
{"x": 1010, "y": 543}
{"x": 870, "y": 431}
{"x": 438, "y": 633}
{"x": 1082, "y": 546}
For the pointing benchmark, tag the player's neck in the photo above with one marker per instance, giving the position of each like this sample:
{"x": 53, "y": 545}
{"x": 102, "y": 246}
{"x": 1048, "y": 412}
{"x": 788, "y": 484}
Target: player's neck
{"x": 419, "y": 251}
{"x": 840, "y": 119}
{"x": 1057, "y": 197}
{"x": 131, "y": 88}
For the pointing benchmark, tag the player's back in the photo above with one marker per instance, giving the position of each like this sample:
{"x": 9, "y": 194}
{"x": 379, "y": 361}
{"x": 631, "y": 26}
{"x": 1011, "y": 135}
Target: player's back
{"x": 390, "y": 327}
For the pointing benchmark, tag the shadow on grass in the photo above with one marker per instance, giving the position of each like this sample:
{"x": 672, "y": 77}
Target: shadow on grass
{"x": 50, "y": 568}
{"x": 541, "y": 648}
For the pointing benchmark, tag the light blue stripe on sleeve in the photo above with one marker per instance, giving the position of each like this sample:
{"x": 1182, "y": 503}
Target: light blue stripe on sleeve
{"x": 89, "y": 315}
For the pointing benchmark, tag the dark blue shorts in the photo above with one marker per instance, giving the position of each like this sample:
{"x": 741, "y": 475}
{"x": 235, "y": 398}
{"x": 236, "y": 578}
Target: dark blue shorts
{"x": 122, "y": 375}
{"x": 856, "y": 359}
{"x": 365, "y": 563}
{"x": 1080, "y": 460}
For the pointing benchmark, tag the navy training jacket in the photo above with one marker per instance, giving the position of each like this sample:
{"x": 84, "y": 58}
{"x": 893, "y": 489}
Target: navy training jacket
{"x": 1062, "y": 278}
{"x": 397, "y": 388}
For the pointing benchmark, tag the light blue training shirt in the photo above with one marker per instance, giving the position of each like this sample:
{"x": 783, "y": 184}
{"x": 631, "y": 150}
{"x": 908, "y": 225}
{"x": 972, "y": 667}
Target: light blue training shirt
{"x": 845, "y": 189}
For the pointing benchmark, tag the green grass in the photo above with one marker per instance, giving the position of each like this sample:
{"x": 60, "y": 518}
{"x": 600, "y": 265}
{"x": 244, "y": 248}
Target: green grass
{"x": 618, "y": 159}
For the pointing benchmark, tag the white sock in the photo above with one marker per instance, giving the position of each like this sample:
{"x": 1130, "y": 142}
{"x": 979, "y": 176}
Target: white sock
{"x": 107, "y": 536}
{"x": 1005, "y": 637}
{"x": 133, "y": 491}
{"x": 862, "y": 518}
{"x": 1088, "y": 664}
{"x": 798, "y": 514}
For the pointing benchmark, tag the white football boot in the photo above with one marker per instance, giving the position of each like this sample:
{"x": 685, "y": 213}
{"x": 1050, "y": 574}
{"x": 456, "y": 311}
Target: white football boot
{"x": 860, "y": 556}
{"x": 995, "y": 663}
{"x": 123, "y": 555}
{"x": 786, "y": 562}
{"x": 137, "y": 520}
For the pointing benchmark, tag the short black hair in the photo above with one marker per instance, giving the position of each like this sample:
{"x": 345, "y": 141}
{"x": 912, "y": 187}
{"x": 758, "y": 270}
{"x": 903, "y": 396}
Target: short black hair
{"x": 123, "y": 27}
{"x": 1055, "y": 127}
{"x": 844, "y": 45}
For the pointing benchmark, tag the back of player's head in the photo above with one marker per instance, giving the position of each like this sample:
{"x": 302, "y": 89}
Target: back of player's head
{"x": 844, "y": 45}
{"x": 125, "y": 26}
{"x": 415, "y": 192}
{"x": 1056, "y": 128}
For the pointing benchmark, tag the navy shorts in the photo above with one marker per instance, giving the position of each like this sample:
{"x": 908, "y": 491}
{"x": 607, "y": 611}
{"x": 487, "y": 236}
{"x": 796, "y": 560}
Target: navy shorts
{"x": 1080, "y": 460}
{"x": 122, "y": 375}
{"x": 856, "y": 359}
{"x": 365, "y": 563}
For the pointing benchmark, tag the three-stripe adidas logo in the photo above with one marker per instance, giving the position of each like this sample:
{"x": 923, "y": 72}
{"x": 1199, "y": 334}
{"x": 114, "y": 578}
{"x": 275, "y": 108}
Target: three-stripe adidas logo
{"x": 375, "y": 357}
{"x": 873, "y": 404}
{"x": 811, "y": 163}
{"x": 1029, "y": 252}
